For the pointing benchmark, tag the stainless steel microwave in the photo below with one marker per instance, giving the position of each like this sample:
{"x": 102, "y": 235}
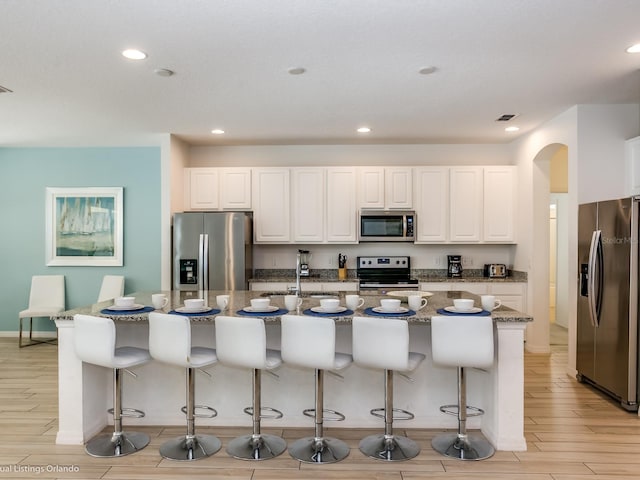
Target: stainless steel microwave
{"x": 386, "y": 226}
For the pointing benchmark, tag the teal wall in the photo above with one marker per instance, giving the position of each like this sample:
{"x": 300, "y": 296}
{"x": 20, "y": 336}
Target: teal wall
{"x": 24, "y": 175}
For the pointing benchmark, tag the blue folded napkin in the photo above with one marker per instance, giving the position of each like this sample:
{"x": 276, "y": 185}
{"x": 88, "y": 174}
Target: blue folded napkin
{"x": 107, "y": 311}
{"x": 280, "y": 311}
{"x": 311, "y": 313}
{"x": 483, "y": 313}
{"x": 213, "y": 311}
{"x": 370, "y": 311}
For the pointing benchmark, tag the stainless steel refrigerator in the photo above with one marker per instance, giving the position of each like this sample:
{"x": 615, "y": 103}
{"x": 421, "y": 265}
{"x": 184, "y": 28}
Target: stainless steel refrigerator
{"x": 212, "y": 250}
{"x": 607, "y": 329}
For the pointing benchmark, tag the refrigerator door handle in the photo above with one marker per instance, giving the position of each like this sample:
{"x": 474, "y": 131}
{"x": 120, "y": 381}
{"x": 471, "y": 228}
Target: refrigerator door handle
{"x": 203, "y": 262}
{"x": 594, "y": 286}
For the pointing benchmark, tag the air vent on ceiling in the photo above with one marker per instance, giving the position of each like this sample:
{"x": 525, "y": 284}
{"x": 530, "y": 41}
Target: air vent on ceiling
{"x": 506, "y": 117}
{"x": 5, "y": 90}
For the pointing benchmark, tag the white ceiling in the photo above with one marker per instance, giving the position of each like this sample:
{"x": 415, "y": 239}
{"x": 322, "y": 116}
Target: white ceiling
{"x": 535, "y": 58}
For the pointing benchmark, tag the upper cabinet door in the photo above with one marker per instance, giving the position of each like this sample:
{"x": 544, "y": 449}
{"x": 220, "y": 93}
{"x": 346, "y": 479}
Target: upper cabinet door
{"x": 341, "y": 211}
{"x": 235, "y": 188}
{"x": 271, "y": 217}
{"x": 466, "y": 204}
{"x": 371, "y": 187}
{"x": 308, "y": 200}
{"x": 398, "y": 192}
{"x": 500, "y": 199}
{"x": 431, "y": 203}
{"x": 203, "y": 189}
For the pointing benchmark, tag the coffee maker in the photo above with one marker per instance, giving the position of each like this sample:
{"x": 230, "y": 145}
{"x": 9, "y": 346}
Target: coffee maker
{"x": 303, "y": 262}
{"x": 455, "y": 265}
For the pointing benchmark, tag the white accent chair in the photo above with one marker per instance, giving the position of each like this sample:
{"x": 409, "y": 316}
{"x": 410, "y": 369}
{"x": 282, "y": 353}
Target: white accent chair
{"x": 170, "y": 342}
{"x": 112, "y": 287}
{"x": 242, "y": 342}
{"x": 462, "y": 342}
{"x": 383, "y": 343}
{"x": 310, "y": 342}
{"x": 95, "y": 343}
{"x": 46, "y": 298}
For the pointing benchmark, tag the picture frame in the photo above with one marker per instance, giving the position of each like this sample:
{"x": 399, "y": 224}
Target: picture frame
{"x": 84, "y": 226}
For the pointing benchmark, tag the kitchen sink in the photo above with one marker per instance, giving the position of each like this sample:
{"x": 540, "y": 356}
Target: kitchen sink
{"x": 303, "y": 294}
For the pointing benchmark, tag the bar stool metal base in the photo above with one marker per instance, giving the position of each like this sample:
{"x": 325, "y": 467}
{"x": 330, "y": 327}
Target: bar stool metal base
{"x": 463, "y": 447}
{"x": 116, "y": 445}
{"x": 187, "y": 447}
{"x": 256, "y": 447}
{"x": 319, "y": 450}
{"x": 389, "y": 447}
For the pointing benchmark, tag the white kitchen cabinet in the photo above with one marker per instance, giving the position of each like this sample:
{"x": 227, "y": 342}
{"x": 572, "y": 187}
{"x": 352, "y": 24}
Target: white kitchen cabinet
{"x": 271, "y": 202}
{"x": 385, "y": 188}
{"x": 218, "y": 188}
{"x": 632, "y": 158}
{"x": 499, "y": 204}
{"x": 431, "y": 203}
{"x": 235, "y": 188}
{"x": 511, "y": 294}
{"x": 465, "y": 204}
{"x": 202, "y": 188}
{"x": 341, "y": 213}
{"x": 308, "y": 204}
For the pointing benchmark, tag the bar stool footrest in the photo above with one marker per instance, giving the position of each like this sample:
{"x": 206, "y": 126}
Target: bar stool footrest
{"x": 455, "y": 409}
{"x": 333, "y": 416}
{"x": 275, "y": 413}
{"x": 213, "y": 412}
{"x": 129, "y": 412}
{"x": 405, "y": 414}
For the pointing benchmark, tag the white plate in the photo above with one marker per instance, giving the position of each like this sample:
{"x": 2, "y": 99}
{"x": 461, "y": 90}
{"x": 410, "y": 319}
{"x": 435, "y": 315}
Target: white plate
{"x": 135, "y": 306}
{"x": 406, "y": 293}
{"x": 193, "y": 310}
{"x": 382, "y": 310}
{"x": 270, "y": 308}
{"x": 322, "y": 310}
{"x": 455, "y": 310}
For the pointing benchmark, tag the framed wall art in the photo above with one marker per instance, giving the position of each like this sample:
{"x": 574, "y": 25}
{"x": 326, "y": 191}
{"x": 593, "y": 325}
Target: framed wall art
{"x": 84, "y": 226}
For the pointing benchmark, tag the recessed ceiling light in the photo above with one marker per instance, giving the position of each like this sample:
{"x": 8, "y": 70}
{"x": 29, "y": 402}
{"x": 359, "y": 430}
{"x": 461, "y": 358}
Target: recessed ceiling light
{"x": 512, "y": 129}
{"x": 364, "y": 130}
{"x": 427, "y": 70}
{"x": 296, "y": 70}
{"x": 634, "y": 48}
{"x": 134, "y": 54}
{"x": 217, "y": 131}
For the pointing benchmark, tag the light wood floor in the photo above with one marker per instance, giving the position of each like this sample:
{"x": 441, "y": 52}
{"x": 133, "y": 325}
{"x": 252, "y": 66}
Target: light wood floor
{"x": 572, "y": 432}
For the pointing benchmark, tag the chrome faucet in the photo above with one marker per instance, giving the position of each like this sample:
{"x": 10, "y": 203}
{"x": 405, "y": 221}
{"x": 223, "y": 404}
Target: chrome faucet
{"x": 297, "y": 290}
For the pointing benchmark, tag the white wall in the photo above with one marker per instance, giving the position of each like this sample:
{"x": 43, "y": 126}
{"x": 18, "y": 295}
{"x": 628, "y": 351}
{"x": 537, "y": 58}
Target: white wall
{"x": 562, "y": 261}
{"x": 328, "y": 155}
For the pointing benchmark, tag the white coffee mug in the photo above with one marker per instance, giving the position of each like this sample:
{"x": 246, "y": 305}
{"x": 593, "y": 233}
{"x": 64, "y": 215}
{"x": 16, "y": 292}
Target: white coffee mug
{"x": 330, "y": 304}
{"x": 390, "y": 304}
{"x": 222, "y": 301}
{"x": 416, "y": 302}
{"x": 490, "y": 302}
{"x": 292, "y": 302}
{"x": 159, "y": 300}
{"x": 194, "y": 303}
{"x": 463, "y": 304}
{"x": 260, "y": 304}
{"x": 354, "y": 301}
{"x": 124, "y": 301}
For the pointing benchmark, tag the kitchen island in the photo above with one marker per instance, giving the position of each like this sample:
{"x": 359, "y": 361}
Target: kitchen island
{"x": 85, "y": 390}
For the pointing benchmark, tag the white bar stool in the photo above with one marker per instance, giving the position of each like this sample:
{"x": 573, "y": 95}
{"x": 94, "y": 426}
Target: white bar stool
{"x": 242, "y": 342}
{"x": 310, "y": 342}
{"x": 95, "y": 343}
{"x": 170, "y": 342}
{"x": 461, "y": 342}
{"x": 383, "y": 343}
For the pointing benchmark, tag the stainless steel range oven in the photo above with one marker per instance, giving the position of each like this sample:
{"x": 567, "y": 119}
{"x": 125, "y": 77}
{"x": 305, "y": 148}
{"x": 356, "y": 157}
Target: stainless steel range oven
{"x": 386, "y": 273}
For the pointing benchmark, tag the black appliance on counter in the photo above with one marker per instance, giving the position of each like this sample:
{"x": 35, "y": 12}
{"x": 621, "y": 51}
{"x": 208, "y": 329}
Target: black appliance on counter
{"x": 386, "y": 273}
{"x": 454, "y": 266}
